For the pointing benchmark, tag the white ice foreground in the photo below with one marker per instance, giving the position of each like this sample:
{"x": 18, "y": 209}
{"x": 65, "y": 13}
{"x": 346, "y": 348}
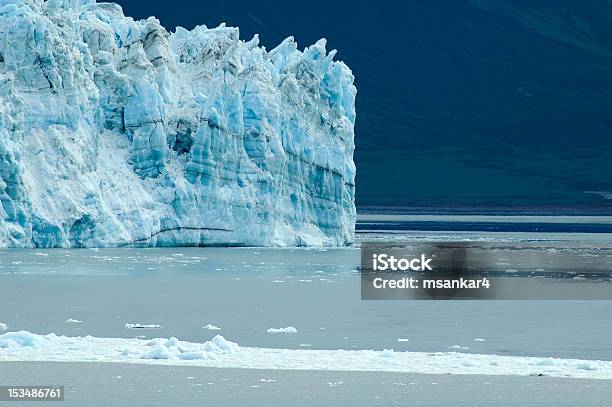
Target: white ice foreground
{"x": 219, "y": 352}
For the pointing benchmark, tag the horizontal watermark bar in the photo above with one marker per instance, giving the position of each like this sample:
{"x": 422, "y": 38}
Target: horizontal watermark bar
{"x": 467, "y": 270}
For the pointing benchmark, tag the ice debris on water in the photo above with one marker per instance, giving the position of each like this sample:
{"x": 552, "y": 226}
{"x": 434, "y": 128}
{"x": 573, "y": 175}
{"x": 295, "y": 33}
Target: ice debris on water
{"x": 73, "y": 321}
{"x": 142, "y": 326}
{"x": 287, "y": 330}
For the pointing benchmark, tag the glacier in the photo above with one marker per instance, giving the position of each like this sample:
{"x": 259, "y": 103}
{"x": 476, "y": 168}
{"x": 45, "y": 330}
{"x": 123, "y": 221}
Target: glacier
{"x": 116, "y": 132}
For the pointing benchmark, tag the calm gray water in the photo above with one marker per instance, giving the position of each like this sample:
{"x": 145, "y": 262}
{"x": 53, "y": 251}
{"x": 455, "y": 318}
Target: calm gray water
{"x": 120, "y": 385}
{"x": 246, "y": 291}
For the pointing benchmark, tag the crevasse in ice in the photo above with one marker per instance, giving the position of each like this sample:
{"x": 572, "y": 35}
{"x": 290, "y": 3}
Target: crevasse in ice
{"x": 115, "y": 131}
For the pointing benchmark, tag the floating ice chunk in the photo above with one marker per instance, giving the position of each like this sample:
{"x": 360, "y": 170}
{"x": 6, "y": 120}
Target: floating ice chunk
{"x": 3, "y": 327}
{"x": 479, "y": 340}
{"x": 158, "y": 352}
{"x": 142, "y": 326}
{"x": 192, "y": 356}
{"x": 172, "y": 341}
{"x": 546, "y": 362}
{"x": 585, "y": 366}
{"x": 287, "y": 330}
{"x": 12, "y": 340}
{"x": 211, "y": 327}
{"x": 403, "y": 340}
{"x": 73, "y": 321}
{"x": 459, "y": 347}
{"x": 335, "y": 384}
{"x": 172, "y": 348}
{"x": 220, "y": 344}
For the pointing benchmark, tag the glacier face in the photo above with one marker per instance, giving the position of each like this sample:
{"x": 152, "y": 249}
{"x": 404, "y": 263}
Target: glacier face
{"x": 116, "y": 132}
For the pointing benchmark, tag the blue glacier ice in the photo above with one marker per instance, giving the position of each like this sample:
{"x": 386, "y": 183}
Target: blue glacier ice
{"x": 116, "y": 132}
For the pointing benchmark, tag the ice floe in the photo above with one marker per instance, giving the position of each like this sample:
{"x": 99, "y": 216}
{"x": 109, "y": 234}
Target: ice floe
{"x": 142, "y": 326}
{"x": 287, "y": 330}
{"x": 219, "y": 352}
{"x": 73, "y": 321}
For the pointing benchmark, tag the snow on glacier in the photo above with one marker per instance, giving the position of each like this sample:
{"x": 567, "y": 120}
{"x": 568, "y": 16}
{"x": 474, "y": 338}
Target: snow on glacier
{"x": 115, "y": 131}
{"x": 219, "y": 352}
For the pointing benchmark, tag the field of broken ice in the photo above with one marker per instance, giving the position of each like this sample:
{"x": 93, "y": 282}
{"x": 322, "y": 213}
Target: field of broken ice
{"x": 285, "y": 308}
{"x": 219, "y": 352}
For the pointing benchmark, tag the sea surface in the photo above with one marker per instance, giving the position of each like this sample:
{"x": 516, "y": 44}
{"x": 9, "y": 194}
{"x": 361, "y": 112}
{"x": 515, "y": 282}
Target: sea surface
{"x": 246, "y": 291}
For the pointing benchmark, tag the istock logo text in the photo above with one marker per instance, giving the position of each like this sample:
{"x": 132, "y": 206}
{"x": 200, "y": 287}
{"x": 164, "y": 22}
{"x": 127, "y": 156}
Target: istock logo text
{"x": 384, "y": 262}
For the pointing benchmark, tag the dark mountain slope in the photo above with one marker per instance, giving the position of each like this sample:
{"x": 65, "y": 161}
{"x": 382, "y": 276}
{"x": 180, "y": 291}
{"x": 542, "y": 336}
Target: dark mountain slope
{"x": 486, "y": 102}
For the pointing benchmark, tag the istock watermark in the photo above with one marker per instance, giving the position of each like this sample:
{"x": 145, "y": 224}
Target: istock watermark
{"x": 384, "y": 262}
{"x": 465, "y": 270}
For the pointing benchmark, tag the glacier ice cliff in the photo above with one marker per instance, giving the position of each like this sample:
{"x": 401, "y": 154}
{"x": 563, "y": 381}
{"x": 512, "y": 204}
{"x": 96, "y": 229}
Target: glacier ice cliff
{"x": 116, "y": 132}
